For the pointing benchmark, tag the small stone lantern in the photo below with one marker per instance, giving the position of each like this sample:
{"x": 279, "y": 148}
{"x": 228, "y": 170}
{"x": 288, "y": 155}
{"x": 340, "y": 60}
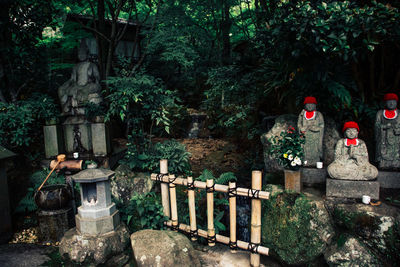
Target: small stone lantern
{"x": 97, "y": 215}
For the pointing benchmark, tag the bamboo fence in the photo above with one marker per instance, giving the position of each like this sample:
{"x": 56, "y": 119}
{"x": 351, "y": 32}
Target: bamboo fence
{"x": 168, "y": 196}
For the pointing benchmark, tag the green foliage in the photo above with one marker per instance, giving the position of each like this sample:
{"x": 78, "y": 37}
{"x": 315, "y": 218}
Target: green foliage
{"x": 21, "y": 122}
{"x": 287, "y": 148}
{"x": 92, "y": 110}
{"x": 143, "y": 212}
{"x": 392, "y": 240}
{"x": 286, "y": 221}
{"x": 145, "y": 156}
{"x": 27, "y": 203}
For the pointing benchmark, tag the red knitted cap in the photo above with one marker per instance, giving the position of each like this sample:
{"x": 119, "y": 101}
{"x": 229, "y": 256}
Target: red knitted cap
{"x": 391, "y": 96}
{"x": 350, "y": 124}
{"x": 310, "y": 100}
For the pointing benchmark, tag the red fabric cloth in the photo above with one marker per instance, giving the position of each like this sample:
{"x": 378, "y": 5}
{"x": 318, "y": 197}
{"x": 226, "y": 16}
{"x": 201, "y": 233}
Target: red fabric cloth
{"x": 352, "y": 142}
{"x": 350, "y": 124}
{"x": 310, "y": 100}
{"x": 309, "y": 114}
{"x": 390, "y": 114}
{"x": 391, "y": 96}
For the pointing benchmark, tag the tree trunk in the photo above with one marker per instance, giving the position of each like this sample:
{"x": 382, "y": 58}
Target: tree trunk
{"x": 226, "y": 24}
{"x": 101, "y": 43}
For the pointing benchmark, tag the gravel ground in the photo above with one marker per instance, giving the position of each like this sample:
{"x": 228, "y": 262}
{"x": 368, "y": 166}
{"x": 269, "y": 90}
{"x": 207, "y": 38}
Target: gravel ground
{"x": 24, "y": 255}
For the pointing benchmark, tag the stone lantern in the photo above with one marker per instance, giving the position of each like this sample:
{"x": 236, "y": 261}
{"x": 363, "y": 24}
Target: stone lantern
{"x": 5, "y": 221}
{"x": 97, "y": 215}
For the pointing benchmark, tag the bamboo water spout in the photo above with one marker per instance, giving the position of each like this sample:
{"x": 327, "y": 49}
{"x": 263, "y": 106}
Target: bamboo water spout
{"x": 60, "y": 158}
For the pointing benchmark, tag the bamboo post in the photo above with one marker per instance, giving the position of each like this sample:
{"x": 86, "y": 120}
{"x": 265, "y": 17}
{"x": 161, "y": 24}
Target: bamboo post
{"x": 255, "y": 238}
{"x": 232, "y": 215}
{"x": 164, "y": 189}
{"x": 174, "y": 208}
{"x": 210, "y": 212}
{"x": 192, "y": 209}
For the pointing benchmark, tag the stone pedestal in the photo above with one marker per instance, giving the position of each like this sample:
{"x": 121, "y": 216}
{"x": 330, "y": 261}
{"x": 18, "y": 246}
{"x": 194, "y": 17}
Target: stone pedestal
{"x": 100, "y": 139}
{"x": 53, "y": 140}
{"x": 351, "y": 188}
{"x": 313, "y": 176}
{"x": 109, "y": 249}
{"x": 389, "y": 179}
{"x": 293, "y": 180}
{"x": 84, "y": 129}
{"x": 53, "y": 224}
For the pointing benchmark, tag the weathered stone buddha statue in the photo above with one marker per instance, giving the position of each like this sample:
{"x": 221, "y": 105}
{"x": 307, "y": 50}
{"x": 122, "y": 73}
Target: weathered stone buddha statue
{"x": 82, "y": 87}
{"x": 311, "y": 122}
{"x": 387, "y": 134}
{"x": 351, "y": 157}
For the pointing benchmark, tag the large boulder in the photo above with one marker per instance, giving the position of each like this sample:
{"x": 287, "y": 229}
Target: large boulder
{"x": 376, "y": 226}
{"x": 127, "y": 183}
{"x": 107, "y": 249}
{"x": 351, "y": 253}
{"x": 163, "y": 248}
{"x": 291, "y": 218}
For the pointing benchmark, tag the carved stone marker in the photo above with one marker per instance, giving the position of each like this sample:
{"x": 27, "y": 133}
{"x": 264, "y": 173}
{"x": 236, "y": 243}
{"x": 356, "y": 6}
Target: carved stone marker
{"x": 387, "y": 134}
{"x": 351, "y": 170}
{"x": 311, "y": 122}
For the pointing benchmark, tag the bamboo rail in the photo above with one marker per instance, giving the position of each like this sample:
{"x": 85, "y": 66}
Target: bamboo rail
{"x": 168, "y": 195}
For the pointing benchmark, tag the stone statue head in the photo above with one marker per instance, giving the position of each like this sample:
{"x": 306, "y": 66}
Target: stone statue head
{"x": 391, "y": 101}
{"x": 350, "y": 130}
{"x": 310, "y": 103}
{"x": 83, "y": 51}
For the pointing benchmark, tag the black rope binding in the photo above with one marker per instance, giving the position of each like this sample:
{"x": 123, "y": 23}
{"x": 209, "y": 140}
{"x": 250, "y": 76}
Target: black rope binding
{"x": 211, "y": 239}
{"x": 175, "y": 228}
{"x": 160, "y": 176}
{"x": 171, "y": 182}
{"x": 253, "y": 247}
{"x": 191, "y": 185}
{"x": 211, "y": 188}
{"x": 193, "y": 233}
{"x": 232, "y": 192}
{"x": 233, "y": 245}
{"x": 253, "y": 193}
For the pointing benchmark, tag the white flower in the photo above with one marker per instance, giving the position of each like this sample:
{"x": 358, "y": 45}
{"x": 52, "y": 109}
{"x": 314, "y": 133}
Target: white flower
{"x": 305, "y": 162}
{"x": 298, "y": 162}
{"x": 290, "y": 157}
{"x": 293, "y": 163}
{"x": 296, "y": 158}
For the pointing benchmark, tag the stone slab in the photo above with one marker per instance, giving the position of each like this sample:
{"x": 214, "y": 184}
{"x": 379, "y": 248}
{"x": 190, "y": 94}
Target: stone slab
{"x": 100, "y": 139}
{"x": 311, "y": 176}
{"x": 97, "y": 226}
{"x": 388, "y": 179}
{"x": 351, "y": 189}
{"x": 85, "y": 212}
{"x": 53, "y": 140}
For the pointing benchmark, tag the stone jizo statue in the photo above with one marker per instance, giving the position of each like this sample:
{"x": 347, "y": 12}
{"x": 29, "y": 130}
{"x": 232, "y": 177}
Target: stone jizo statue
{"x": 82, "y": 87}
{"x": 351, "y": 157}
{"x": 387, "y": 134}
{"x": 311, "y": 122}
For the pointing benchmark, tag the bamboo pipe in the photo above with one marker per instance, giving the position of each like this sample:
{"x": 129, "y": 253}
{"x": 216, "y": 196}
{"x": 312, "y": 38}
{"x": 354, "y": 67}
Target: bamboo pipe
{"x": 192, "y": 209}
{"x": 210, "y": 212}
{"x": 218, "y": 187}
{"x": 255, "y": 237}
{"x": 232, "y": 215}
{"x": 75, "y": 165}
{"x": 60, "y": 158}
{"x": 220, "y": 238}
{"x": 164, "y": 188}
{"x": 174, "y": 207}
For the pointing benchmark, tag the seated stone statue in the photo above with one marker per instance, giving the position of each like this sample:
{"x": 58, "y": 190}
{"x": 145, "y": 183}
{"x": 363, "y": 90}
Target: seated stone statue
{"x": 351, "y": 157}
{"x": 387, "y": 134}
{"x": 311, "y": 122}
{"x": 82, "y": 87}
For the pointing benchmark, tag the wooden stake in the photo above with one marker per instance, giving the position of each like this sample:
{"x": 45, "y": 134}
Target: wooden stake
{"x": 220, "y": 238}
{"x": 164, "y": 188}
{"x": 192, "y": 209}
{"x": 255, "y": 238}
{"x": 174, "y": 207}
{"x": 232, "y": 214}
{"x": 217, "y": 188}
{"x": 210, "y": 212}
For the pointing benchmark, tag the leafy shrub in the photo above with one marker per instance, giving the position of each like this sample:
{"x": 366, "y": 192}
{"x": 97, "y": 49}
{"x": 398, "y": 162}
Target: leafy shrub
{"x": 144, "y": 156}
{"x": 143, "y": 212}
{"x": 20, "y": 122}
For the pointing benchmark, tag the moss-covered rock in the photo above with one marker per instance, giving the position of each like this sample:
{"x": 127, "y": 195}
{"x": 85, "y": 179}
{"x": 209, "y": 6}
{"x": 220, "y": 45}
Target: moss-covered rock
{"x": 296, "y": 229}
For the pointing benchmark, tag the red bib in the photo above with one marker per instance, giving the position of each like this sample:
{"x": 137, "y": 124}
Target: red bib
{"x": 309, "y": 115}
{"x": 390, "y": 114}
{"x": 352, "y": 142}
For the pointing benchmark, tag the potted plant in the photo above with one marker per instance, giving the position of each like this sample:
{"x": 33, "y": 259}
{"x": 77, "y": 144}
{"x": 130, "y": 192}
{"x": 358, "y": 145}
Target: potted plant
{"x": 287, "y": 149}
